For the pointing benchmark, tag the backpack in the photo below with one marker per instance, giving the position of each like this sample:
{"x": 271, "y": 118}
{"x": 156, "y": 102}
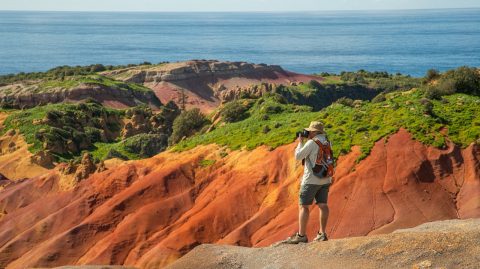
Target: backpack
{"x": 324, "y": 164}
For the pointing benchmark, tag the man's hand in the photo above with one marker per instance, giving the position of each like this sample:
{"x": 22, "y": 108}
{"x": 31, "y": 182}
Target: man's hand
{"x": 299, "y": 139}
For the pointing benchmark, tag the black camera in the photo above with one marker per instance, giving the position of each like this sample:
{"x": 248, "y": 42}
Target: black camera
{"x": 303, "y": 133}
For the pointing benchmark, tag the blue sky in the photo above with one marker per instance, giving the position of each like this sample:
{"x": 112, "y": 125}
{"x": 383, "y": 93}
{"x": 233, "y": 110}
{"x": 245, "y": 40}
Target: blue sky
{"x": 230, "y": 5}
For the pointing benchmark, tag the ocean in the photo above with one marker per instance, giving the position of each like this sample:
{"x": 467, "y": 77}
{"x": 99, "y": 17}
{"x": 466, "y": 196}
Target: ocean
{"x": 406, "y": 41}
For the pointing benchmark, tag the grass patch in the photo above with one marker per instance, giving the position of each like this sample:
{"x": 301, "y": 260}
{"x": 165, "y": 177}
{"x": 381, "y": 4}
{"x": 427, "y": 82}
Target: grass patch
{"x": 65, "y": 84}
{"x": 102, "y": 150}
{"x": 348, "y": 126}
{"x": 111, "y": 83}
{"x": 206, "y": 162}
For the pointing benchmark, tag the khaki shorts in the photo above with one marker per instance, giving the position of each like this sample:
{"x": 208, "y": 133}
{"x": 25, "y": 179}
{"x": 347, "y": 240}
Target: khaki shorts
{"x": 308, "y": 192}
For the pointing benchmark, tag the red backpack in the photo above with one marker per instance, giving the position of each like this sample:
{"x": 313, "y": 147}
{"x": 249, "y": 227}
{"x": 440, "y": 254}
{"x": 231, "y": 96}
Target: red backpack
{"x": 324, "y": 164}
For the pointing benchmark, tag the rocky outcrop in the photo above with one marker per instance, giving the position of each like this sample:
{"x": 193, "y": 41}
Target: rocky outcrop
{"x": 44, "y": 158}
{"x": 151, "y": 212}
{"x": 145, "y": 121}
{"x": 252, "y": 91}
{"x": 195, "y": 69}
{"x": 207, "y": 83}
{"x": 441, "y": 244}
{"x": 86, "y": 167}
{"x": 25, "y": 97}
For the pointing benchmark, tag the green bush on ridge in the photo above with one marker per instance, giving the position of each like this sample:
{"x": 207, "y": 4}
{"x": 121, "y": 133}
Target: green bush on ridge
{"x": 186, "y": 124}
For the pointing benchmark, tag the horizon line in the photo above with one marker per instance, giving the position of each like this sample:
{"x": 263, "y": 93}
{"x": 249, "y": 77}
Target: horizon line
{"x": 231, "y": 11}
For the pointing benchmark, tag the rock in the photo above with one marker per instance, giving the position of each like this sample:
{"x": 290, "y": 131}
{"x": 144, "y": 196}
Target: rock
{"x": 86, "y": 167}
{"x": 101, "y": 167}
{"x": 11, "y": 132}
{"x": 68, "y": 168}
{"x": 12, "y": 147}
{"x": 23, "y": 97}
{"x": 423, "y": 265}
{"x": 43, "y": 158}
{"x": 206, "y": 84}
{"x": 405, "y": 250}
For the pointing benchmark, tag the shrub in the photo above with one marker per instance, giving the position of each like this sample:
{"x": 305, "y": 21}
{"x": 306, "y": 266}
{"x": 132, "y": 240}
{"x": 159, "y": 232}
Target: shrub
{"x": 357, "y": 103}
{"x": 379, "y": 98}
{"x": 345, "y": 101}
{"x": 431, "y": 75}
{"x": 352, "y": 77}
{"x": 93, "y": 134}
{"x": 326, "y": 74}
{"x": 427, "y": 106}
{"x": 463, "y": 80}
{"x": 186, "y": 124}
{"x": 146, "y": 145}
{"x": 362, "y": 129}
{"x": 266, "y": 129}
{"x": 234, "y": 111}
{"x": 443, "y": 87}
{"x": 314, "y": 84}
{"x": 276, "y": 97}
{"x": 466, "y": 79}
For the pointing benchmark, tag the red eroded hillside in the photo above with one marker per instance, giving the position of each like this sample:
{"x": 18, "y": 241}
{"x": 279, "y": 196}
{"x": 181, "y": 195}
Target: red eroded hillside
{"x": 207, "y": 83}
{"x": 149, "y": 213}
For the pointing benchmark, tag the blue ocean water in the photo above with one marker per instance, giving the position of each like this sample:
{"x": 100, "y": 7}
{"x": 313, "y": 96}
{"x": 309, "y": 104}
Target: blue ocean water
{"x": 407, "y": 41}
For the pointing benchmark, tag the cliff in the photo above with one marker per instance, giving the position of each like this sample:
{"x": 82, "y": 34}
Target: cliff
{"x": 149, "y": 213}
{"x": 207, "y": 83}
{"x": 28, "y": 96}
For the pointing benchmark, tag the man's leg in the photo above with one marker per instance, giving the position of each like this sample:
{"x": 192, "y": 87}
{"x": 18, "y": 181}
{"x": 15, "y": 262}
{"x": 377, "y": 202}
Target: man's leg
{"x": 303, "y": 214}
{"x": 323, "y": 216}
{"x": 321, "y": 197}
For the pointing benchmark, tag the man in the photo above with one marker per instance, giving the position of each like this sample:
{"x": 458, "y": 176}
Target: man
{"x": 311, "y": 187}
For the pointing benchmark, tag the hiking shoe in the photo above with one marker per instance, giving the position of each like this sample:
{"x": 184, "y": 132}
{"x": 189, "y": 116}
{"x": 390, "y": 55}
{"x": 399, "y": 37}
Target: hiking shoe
{"x": 296, "y": 238}
{"x": 320, "y": 237}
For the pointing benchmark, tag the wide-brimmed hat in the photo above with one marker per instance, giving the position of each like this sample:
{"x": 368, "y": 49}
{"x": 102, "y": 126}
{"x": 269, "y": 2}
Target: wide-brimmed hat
{"x": 315, "y": 126}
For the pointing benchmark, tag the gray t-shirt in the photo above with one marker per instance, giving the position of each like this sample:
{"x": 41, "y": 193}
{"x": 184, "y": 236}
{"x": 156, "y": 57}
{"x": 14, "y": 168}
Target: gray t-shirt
{"x": 310, "y": 151}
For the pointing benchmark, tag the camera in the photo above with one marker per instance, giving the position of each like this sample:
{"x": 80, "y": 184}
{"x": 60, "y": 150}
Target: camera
{"x": 303, "y": 133}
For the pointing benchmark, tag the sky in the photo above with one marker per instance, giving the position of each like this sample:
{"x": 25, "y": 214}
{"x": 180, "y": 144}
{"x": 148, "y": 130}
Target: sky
{"x": 230, "y": 5}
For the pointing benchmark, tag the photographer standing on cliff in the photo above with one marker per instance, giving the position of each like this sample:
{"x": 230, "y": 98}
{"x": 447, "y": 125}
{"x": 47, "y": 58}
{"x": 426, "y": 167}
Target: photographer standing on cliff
{"x": 317, "y": 158}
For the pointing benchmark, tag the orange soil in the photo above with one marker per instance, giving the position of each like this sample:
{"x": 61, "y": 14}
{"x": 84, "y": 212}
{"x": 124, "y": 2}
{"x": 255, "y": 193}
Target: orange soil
{"x": 15, "y": 162}
{"x": 149, "y": 213}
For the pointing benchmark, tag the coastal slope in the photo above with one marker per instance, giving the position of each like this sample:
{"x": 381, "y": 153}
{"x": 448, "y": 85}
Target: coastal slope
{"x": 151, "y": 212}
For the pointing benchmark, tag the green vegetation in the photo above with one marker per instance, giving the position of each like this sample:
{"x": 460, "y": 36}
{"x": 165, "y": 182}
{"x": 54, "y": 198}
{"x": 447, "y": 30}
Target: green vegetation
{"x": 61, "y": 72}
{"x": 65, "y": 129}
{"x": 462, "y": 80}
{"x": 381, "y": 81}
{"x": 75, "y": 81}
{"x": 206, "y": 162}
{"x": 234, "y": 111}
{"x": 186, "y": 124}
{"x": 431, "y": 75}
{"x": 111, "y": 83}
{"x": 133, "y": 148}
{"x": 104, "y": 151}
{"x": 146, "y": 145}
{"x": 9, "y": 100}
{"x": 357, "y": 108}
{"x": 282, "y": 120}
{"x": 361, "y": 124}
